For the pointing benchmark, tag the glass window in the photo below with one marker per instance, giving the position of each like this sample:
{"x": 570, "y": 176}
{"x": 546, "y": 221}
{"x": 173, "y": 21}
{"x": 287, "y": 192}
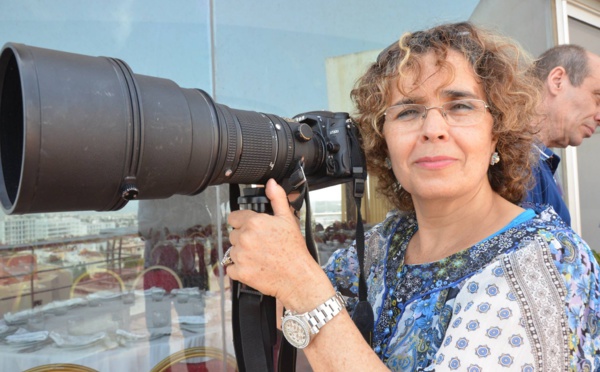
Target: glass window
{"x": 139, "y": 288}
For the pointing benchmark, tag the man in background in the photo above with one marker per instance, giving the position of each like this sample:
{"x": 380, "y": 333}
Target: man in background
{"x": 570, "y": 112}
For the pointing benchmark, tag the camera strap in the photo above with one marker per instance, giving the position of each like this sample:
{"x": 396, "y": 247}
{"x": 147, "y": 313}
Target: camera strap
{"x": 253, "y": 314}
{"x": 362, "y": 316}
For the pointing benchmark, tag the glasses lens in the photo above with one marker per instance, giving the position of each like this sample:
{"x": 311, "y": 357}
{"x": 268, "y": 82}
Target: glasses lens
{"x": 464, "y": 112}
{"x": 406, "y": 113}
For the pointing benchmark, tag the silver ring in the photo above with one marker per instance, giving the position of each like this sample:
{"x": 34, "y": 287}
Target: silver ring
{"x": 226, "y": 261}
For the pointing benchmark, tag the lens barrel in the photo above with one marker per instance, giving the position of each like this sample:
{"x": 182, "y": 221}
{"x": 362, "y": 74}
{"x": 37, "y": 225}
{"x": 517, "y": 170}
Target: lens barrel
{"x": 86, "y": 133}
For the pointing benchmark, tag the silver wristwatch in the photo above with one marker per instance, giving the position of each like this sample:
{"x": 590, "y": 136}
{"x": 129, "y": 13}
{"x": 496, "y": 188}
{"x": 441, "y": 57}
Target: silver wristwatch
{"x": 299, "y": 329}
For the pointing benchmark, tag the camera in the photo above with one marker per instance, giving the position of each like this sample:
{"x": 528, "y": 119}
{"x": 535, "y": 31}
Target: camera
{"x": 86, "y": 133}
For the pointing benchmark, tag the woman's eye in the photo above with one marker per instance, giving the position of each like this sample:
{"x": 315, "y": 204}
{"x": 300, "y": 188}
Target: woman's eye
{"x": 457, "y": 106}
{"x": 408, "y": 113}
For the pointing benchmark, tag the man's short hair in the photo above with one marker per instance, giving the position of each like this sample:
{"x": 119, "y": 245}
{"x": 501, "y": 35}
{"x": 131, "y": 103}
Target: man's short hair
{"x": 573, "y": 58}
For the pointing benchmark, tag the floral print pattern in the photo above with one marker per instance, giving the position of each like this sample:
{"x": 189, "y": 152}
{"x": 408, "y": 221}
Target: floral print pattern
{"x": 481, "y": 309}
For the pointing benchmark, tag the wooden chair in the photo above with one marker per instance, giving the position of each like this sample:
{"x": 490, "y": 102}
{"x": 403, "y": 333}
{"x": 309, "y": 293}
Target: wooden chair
{"x": 157, "y": 276}
{"x": 62, "y": 367}
{"x": 186, "y": 361}
{"x": 94, "y": 280}
{"x": 19, "y": 267}
{"x": 188, "y": 259}
{"x": 165, "y": 254}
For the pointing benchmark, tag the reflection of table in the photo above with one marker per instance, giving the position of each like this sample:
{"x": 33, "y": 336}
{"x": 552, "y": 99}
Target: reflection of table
{"x": 17, "y": 296}
{"x": 50, "y": 283}
{"x": 110, "y": 315}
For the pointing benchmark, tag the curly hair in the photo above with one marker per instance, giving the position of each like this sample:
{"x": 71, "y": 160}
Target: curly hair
{"x": 512, "y": 93}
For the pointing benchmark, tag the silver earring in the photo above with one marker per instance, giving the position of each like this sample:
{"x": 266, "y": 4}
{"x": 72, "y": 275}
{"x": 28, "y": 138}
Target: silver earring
{"x": 397, "y": 186}
{"x": 388, "y": 163}
{"x": 495, "y": 158}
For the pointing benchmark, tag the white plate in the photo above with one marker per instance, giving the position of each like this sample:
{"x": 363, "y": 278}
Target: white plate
{"x": 132, "y": 336}
{"x": 22, "y": 337}
{"x": 5, "y": 328}
{"x": 20, "y": 317}
{"x": 104, "y": 295}
{"x": 150, "y": 291}
{"x": 70, "y": 341}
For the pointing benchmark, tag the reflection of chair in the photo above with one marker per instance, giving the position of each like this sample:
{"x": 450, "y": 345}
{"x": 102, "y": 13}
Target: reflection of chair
{"x": 61, "y": 367}
{"x": 187, "y": 360}
{"x": 157, "y": 276}
{"x": 94, "y": 280}
{"x": 20, "y": 266}
{"x": 193, "y": 267}
{"x": 165, "y": 254}
{"x": 188, "y": 258}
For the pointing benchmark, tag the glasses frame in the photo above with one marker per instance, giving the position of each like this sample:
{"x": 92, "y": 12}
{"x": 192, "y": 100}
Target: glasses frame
{"x": 441, "y": 108}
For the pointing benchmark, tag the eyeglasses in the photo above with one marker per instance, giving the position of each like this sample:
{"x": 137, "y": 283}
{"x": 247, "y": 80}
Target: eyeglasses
{"x": 458, "y": 113}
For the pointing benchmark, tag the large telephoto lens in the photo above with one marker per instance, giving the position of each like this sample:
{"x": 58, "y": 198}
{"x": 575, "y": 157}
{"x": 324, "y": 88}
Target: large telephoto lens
{"x": 86, "y": 133}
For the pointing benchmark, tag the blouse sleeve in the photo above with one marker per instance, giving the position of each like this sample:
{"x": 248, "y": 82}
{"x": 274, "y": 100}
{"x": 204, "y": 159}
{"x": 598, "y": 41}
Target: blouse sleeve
{"x": 581, "y": 273}
{"x": 342, "y": 270}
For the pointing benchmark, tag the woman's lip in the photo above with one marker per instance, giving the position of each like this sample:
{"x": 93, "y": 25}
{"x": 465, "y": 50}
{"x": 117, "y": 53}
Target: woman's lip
{"x": 434, "y": 162}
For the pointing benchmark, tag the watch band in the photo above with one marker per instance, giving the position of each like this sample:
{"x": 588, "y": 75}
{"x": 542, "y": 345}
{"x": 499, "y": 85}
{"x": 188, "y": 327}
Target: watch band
{"x": 325, "y": 312}
{"x": 299, "y": 329}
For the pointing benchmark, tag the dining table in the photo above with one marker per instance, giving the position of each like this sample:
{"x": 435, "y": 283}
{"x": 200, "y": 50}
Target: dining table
{"x": 115, "y": 331}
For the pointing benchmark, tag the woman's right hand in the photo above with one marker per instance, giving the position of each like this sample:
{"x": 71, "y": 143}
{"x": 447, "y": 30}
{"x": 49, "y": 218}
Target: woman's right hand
{"x": 270, "y": 255}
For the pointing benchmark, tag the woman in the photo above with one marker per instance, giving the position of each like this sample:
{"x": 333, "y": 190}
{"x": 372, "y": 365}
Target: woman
{"x": 460, "y": 276}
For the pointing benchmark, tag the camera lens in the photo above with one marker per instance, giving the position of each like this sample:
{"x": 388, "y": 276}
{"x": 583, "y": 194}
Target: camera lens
{"x": 86, "y": 133}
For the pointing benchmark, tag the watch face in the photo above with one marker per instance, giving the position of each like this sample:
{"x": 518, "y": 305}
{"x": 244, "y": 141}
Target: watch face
{"x": 296, "y": 332}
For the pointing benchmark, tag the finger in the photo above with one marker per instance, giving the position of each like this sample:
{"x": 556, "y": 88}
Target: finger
{"x": 234, "y": 236}
{"x": 237, "y": 218}
{"x": 278, "y": 198}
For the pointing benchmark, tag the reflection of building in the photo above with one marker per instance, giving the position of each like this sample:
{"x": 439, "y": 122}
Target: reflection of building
{"x": 19, "y": 229}
{"x": 26, "y": 229}
{"x": 99, "y": 226}
{"x": 326, "y": 212}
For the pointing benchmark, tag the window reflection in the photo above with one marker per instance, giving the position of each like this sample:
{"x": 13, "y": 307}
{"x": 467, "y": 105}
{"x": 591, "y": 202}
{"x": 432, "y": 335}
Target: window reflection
{"x": 130, "y": 288}
{"x": 143, "y": 282}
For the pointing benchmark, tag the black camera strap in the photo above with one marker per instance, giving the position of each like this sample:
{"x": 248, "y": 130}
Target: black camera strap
{"x": 363, "y": 316}
{"x": 253, "y": 314}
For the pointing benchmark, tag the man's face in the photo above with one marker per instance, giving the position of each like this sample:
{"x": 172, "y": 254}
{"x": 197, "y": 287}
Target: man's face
{"x": 578, "y": 108}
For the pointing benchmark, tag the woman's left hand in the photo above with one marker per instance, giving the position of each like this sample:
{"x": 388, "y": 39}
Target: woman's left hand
{"x": 269, "y": 252}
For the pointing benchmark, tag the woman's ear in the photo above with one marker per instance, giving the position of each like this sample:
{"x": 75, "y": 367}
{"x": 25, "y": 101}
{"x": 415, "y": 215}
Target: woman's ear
{"x": 494, "y": 143}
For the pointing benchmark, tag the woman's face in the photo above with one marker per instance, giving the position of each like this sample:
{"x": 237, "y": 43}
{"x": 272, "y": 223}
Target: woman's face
{"x": 432, "y": 159}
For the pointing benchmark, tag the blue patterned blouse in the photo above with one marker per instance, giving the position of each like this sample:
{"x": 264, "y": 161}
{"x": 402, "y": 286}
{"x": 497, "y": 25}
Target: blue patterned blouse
{"x": 526, "y": 298}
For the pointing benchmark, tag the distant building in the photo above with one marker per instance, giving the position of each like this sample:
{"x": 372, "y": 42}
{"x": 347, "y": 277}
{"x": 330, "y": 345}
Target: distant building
{"x": 98, "y": 226}
{"x": 16, "y": 229}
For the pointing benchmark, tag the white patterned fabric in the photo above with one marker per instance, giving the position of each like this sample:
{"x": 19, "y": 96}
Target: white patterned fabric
{"x": 525, "y": 299}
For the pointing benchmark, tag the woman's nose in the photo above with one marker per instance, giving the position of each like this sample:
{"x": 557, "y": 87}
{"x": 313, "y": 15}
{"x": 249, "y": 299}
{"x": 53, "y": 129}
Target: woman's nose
{"x": 434, "y": 124}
